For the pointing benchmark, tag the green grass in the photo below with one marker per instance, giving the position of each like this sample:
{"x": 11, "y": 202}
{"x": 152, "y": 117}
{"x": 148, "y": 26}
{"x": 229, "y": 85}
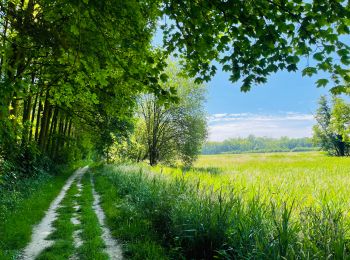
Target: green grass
{"x": 63, "y": 247}
{"x": 93, "y": 244}
{"x": 252, "y": 206}
{"x": 25, "y": 206}
{"x": 62, "y": 236}
{"x": 310, "y": 178}
{"x": 126, "y": 220}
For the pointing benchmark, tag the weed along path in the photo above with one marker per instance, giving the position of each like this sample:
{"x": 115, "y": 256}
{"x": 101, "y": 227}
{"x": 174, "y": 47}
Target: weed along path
{"x": 74, "y": 225}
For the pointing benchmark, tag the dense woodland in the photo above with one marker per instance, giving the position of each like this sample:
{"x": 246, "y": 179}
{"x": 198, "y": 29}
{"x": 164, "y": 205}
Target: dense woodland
{"x": 70, "y": 72}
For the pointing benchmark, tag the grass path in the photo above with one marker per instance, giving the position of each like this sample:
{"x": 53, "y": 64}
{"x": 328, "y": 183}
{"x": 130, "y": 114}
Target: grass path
{"x": 73, "y": 227}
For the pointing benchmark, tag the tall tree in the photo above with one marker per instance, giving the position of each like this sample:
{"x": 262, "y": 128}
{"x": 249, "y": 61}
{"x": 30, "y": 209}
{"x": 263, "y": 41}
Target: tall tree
{"x": 330, "y": 129}
{"x": 63, "y": 63}
{"x": 177, "y": 130}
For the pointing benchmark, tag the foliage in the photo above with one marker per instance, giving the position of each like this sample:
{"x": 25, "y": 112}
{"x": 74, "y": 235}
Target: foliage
{"x": 340, "y": 119}
{"x": 253, "y": 144}
{"x": 201, "y": 215}
{"x": 70, "y": 72}
{"x": 169, "y": 131}
{"x": 332, "y": 129}
{"x": 253, "y": 39}
{"x": 127, "y": 222}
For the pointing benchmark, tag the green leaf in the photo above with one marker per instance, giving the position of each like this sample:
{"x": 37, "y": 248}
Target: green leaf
{"x": 318, "y": 56}
{"x": 292, "y": 67}
{"x": 226, "y": 67}
{"x": 224, "y": 39}
{"x": 74, "y": 29}
{"x": 343, "y": 29}
{"x": 322, "y": 82}
{"x": 309, "y": 71}
{"x": 345, "y": 60}
{"x": 292, "y": 59}
{"x": 164, "y": 77}
{"x": 340, "y": 89}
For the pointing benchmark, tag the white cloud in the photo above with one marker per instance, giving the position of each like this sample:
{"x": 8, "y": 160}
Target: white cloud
{"x": 291, "y": 124}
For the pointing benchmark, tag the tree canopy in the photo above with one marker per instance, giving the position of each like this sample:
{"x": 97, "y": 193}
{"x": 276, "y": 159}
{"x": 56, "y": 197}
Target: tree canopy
{"x": 168, "y": 132}
{"x": 332, "y": 129}
{"x": 70, "y": 72}
{"x": 255, "y": 38}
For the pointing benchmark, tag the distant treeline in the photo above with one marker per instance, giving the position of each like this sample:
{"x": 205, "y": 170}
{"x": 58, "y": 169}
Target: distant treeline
{"x": 252, "y": 144}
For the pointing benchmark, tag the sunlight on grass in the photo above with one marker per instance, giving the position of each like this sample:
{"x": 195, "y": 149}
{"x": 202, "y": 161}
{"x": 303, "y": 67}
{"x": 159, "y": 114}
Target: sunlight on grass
{"x": 260, "y": 206}
{"x": 308, "y": 178}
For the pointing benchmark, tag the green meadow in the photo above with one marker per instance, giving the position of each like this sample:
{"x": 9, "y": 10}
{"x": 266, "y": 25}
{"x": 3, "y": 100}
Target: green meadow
{"x": 307, "y": 178}
{"x": 247, "y": 206}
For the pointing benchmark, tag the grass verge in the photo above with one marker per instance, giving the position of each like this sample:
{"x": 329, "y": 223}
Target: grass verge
{"x": 22, "y": 208}
{"x": 126, "y": 220}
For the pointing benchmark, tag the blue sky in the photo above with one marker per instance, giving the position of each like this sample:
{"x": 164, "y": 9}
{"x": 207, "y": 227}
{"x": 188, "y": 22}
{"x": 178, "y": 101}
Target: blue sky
{"x": 283, "y": 92}
{"x": 284, "y": 106}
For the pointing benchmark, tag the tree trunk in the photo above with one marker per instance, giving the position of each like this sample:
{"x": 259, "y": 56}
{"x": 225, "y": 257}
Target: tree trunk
{"x": 33, "y": 117}
{"x": 51, "y": 137}
{"x": 44, "y": 122}
{"x": 38, "y": 118}
{"x": 341, "y": 146}
{"x": 27, "y": 107}
{"x": 69, "y": 132}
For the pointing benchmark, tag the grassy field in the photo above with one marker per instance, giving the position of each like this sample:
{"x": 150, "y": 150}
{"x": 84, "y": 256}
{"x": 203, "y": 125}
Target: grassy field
{"x": 248, "y": 206}
{"x": 308, "y": 178}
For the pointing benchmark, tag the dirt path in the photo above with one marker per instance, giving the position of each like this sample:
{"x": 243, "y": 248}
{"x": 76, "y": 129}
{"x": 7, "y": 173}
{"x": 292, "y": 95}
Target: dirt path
{"x": 76, "y": 221}
{"x": 41, "y": 232}
{"x": 44, "y": 228}
{"x": 112, "y": 248}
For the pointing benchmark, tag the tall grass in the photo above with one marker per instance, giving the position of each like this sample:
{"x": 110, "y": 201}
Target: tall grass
{"x": 192, "y": 219}
{"x": 307, "y": 178}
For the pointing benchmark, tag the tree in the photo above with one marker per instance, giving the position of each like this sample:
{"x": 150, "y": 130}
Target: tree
{"x": 176, "y": 130}
{"x": 331, "y": 131}
{"x": 340, "y": 124}
{"x": 63, "y": 64}
{"x": 252, "y": 39}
